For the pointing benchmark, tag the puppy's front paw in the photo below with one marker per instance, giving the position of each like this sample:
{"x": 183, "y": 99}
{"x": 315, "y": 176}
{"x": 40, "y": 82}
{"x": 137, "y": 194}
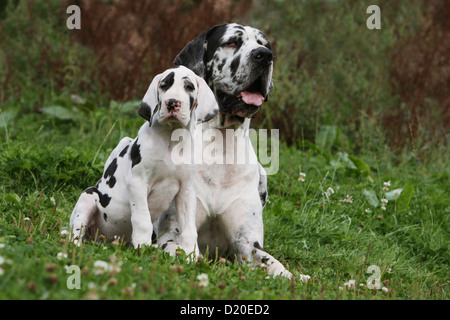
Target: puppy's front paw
{"x": 139, "y": 241}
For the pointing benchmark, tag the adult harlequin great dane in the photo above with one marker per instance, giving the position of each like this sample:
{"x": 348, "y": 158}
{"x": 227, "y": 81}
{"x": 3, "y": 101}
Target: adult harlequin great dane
{"x": 237, "y": 63}
{"x": 141, "y": 178}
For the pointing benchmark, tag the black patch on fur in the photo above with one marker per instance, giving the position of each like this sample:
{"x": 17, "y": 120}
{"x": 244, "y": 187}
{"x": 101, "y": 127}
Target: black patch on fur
{"x": 111, "y": 182}
{"x": 209, "y": 116}
{"x": 124, "y": 151}
{"x": 165, "y": 244}
{"x": 145, "y": 112}
{"x": 235, "y": 64}
{"x": 191, "y": 102}
{"x": 258, "y": 246}
{"x": 167, "y": 82}
{"x": 104, "y": 198}
{"x": 109, "y": 172}
{"x": 221, "y": 65}
{"x": 105, "y": 217}
{"x": 263, "y": 197}
{"x": 193, "y": 55}
{"x": 135, "y": 154}
{"x": 264, "y": 259}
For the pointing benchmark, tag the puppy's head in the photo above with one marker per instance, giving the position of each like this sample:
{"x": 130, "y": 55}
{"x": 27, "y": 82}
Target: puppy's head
{"x": 178, "y": 95}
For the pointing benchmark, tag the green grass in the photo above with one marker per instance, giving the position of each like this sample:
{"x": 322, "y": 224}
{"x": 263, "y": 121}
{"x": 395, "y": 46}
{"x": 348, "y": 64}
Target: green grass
{"x": 46, "y": 162}
{"x": 336, "y": 106}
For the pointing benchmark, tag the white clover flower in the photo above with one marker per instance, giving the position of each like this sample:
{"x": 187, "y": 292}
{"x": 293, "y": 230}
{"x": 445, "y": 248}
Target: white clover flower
{"x": 348, "y": 199}
{"x": 386, "y": 185}
{"x": 203, "y": 280}
{"x": 302, "y": 177}
{"x": 384, "y": 202}
{"x": 115, "y": 268}
{"x": 101, "y": 267}
{"x": 350, "y": 284}
{"x": 330, "y": 191}
{"x": 26, "y": 219}
{"x": 385, "y": 290}
{"x": 61, "y": 255}
{"x": 367, "y": 210}
{"x": 64, "y": 232}
{"x": 304, "y": 278}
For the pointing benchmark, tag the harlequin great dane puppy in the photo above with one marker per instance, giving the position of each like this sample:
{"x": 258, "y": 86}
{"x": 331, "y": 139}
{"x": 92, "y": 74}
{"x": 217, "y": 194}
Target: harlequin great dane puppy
{"x": 140, "y": 178}
{"x": 237, "y": 63}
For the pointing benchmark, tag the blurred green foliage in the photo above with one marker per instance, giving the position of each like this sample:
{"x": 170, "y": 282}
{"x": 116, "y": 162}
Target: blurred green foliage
{"x": 331, "y": 71}
{"x": 333, "y": 76}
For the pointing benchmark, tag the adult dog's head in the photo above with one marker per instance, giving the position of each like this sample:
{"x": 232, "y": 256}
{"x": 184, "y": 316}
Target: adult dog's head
{"x": 236, "y": 62}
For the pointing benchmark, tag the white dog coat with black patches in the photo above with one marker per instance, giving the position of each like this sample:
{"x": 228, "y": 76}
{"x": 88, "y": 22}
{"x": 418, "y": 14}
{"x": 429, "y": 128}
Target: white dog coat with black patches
{"x": 140, "y": 179}
{"x": 237, "y": 63}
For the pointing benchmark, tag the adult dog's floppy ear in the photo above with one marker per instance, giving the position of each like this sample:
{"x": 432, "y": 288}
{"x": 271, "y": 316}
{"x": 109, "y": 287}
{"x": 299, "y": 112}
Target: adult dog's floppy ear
{"x": 150, "y": 102}
{"x": 192, "y": 55}
{"x": 207, "y": 107}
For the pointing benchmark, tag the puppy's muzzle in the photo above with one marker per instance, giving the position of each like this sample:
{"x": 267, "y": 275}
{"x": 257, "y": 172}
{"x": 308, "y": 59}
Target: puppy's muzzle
{"x": 173, "y": 105}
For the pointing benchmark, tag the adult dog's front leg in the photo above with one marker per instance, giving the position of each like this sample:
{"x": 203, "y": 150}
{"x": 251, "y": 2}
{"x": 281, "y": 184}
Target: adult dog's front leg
{"x": 141, "y": 220}
{"x": 244, "y": 225}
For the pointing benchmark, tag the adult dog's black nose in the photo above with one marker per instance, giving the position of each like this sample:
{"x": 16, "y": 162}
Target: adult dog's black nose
{"x": 262, "y": 55}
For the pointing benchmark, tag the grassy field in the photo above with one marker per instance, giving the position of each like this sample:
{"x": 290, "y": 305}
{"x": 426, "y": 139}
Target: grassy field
{"x": 346, "y": 197}
{"x": 333, "y": 237}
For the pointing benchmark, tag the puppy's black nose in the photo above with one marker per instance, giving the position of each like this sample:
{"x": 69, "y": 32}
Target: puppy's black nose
{"x": 172, "y": 104}
{"x": 262, "y": 55}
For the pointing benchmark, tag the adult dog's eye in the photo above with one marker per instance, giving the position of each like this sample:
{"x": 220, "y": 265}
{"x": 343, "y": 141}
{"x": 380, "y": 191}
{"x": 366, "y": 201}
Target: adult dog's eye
{"x": 231, "y": 43}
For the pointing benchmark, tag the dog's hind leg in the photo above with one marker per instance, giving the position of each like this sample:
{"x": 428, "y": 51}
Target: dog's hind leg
{"x": 82, "y": 220}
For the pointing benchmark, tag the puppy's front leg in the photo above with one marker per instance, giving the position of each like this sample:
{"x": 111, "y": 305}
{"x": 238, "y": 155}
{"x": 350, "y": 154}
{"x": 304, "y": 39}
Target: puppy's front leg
{"x": 141, "y": 220}
{"x": 185, "y": 202}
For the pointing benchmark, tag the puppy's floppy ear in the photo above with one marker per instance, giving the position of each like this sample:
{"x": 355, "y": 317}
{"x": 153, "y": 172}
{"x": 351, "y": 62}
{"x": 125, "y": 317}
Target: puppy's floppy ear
{"x": 207, "y": 107}
{"x": 192, "y": 55}
{"x": 150, "y": 102}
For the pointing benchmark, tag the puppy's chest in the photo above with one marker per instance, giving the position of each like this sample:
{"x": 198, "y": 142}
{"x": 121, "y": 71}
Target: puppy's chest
{"x": 166, "y": 172}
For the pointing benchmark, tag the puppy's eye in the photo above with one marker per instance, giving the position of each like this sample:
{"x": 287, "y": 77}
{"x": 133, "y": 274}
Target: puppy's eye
{"x": 163, "y": 85}
{"x": 189, "y": 87}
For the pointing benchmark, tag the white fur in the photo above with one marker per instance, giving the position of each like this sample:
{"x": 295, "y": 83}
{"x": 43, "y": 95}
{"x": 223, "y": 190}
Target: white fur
{"x": 145, "y": 188}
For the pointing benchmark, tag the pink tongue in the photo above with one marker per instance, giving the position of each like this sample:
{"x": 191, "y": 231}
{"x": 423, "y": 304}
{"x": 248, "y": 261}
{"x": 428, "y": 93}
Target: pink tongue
{"x": 255, "y": 99}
